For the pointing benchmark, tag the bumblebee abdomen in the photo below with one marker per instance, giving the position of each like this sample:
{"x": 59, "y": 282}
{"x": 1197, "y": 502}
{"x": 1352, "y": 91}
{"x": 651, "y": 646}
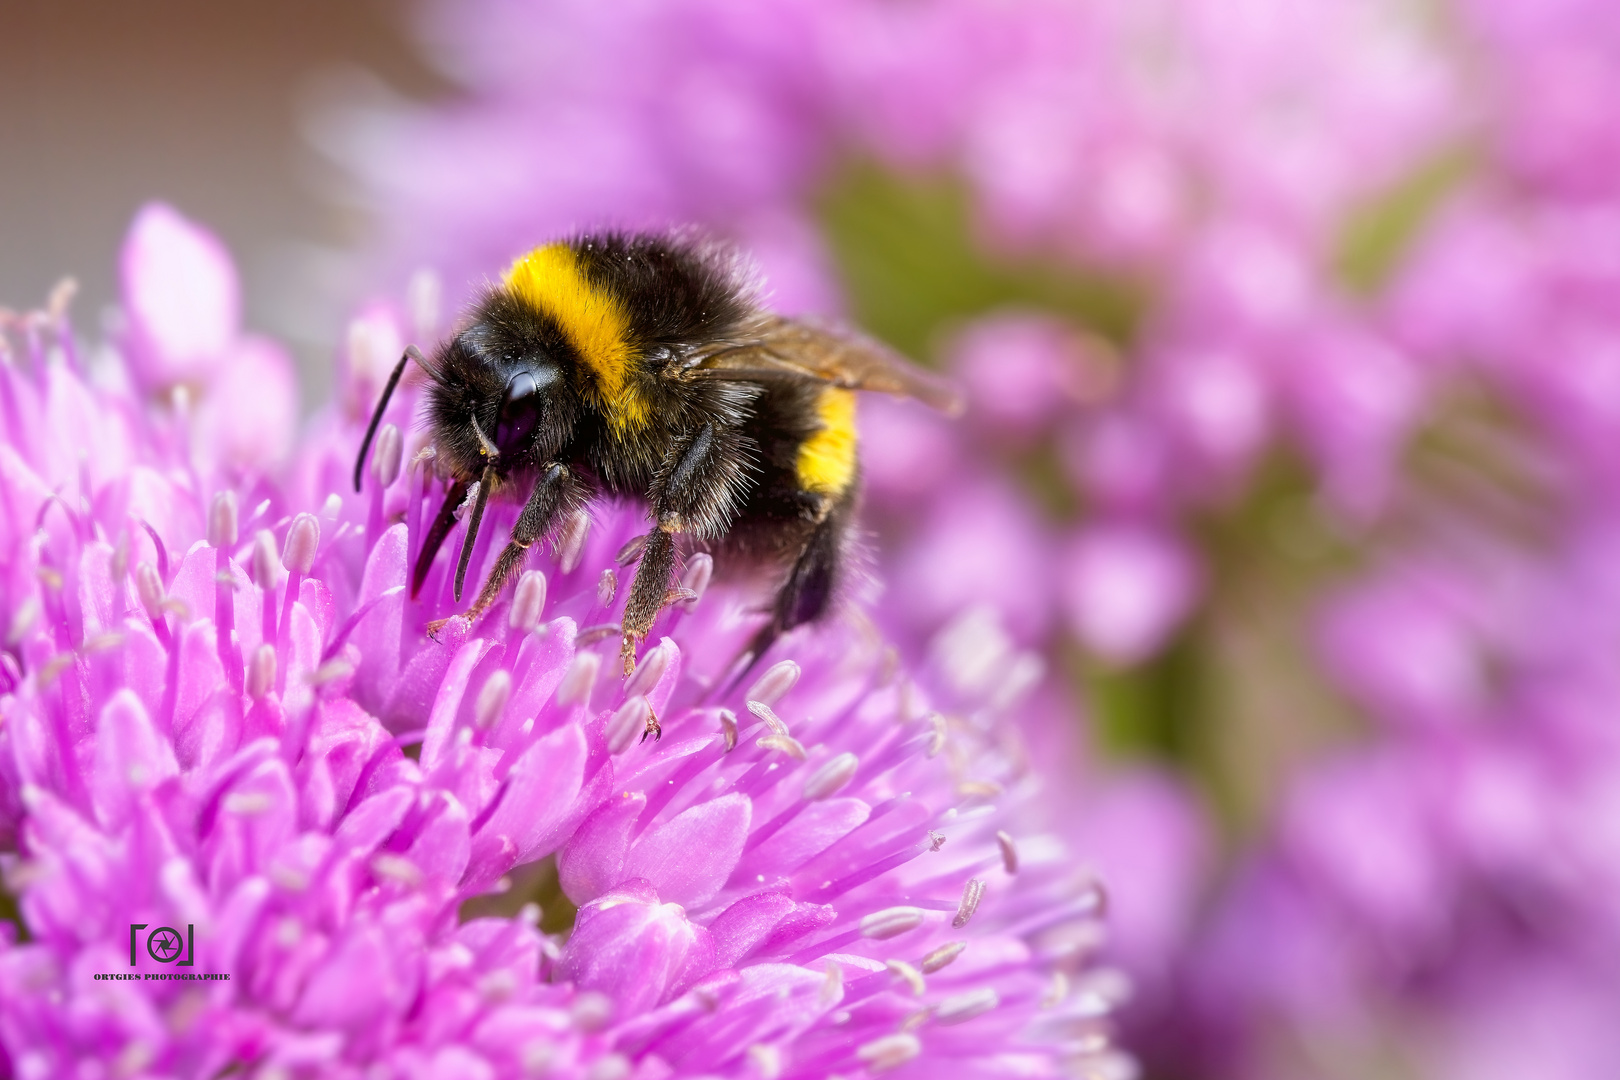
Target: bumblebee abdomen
{"x": 826, "y": 463}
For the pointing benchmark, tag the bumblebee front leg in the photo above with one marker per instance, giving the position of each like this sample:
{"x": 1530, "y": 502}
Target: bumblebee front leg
{"x": 556, "y": 494}
{"x": 696, "y": 491}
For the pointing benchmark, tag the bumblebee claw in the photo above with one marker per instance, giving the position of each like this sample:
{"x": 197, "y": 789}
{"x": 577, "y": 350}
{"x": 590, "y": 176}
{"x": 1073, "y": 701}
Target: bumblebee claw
{"x": 653, "y": 728}
{"x": 436, "y": 625}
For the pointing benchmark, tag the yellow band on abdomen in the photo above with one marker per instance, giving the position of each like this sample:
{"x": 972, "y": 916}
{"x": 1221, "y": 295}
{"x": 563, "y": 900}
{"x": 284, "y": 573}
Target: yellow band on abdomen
{"x": 826, "y": 463}
{"x": 593, "y": 321}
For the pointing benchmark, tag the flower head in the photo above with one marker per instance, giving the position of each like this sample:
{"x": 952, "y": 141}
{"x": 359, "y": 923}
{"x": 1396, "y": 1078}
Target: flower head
{"x": 223, "y": 718}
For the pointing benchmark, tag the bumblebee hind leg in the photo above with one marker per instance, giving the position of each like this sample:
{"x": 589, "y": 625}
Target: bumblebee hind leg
{"x": 812, "y": 582}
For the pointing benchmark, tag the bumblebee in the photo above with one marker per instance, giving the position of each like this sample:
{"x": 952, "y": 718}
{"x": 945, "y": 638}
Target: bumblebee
{"x": 643, "y": 366}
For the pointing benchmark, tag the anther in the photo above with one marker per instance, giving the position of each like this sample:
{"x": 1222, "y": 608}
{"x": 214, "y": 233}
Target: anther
{"x": 387, "y": 454}
{"x": 787, "y": 744}
{"x": 942, "y": 956}
{"x": 699, "y": 569}
{"x": 908, "y": 975}
{"x": 831, "y": 777}
{"x": 149, "y": 587}
{"x": 571, "y": 544}
{"x": 631, "y": 550}
{"x": 222, "y": 520}
{"x": 767, "y": 714}
{"x": 649, "y": 671}
{"x": 728, "y": 729}
{"x": 606, "y": 587}
{"x": 261, "y": 678}
{"x": 959, "y": 1007}
{"x": 492, "y": 698}
{"x": 303, "y": 537}
{"x": 266, "y": 563}
{"x": 528, "y": 601}
{"x": 778, "y": 679}
{"x": 972, "y": 893}
{"x": 627, "y": 721}
{"x": 891, "y": 922}
{"x": 1009, "y": 852}
{"x": 889, "y": 1052}
{"x": 575, "y": 688}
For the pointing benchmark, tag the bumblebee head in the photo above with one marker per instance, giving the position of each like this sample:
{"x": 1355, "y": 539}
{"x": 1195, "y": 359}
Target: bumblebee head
{"x": 502, "y": 399}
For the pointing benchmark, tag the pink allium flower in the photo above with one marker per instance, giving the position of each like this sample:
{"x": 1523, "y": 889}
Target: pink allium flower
{"x": 210, "y": 688}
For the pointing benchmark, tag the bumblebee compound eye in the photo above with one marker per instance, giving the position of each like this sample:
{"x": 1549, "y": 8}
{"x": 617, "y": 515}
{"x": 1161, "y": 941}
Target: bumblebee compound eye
{"x": 521, "y": 407}
{"x": 529, "y": 382}
{"x": 522, "y": 385}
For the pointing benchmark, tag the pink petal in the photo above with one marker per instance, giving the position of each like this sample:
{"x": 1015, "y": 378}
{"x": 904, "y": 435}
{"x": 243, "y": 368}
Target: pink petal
{"x": 132, "y": 756}
{"x": 689, "y": 857}
{"x": 593, "y": 861}
{"x": 181, "y": 293}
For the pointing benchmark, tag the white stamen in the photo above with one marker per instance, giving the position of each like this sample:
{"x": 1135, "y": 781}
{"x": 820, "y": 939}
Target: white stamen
{"x": 492, "y": 698}
{"x": 528, "y": 601}
{"x": 942, "y": 956}
{"x": 631, "y": 551}
{"x": 606, "y": 587}
{"x": 222, "y": 520}
{"x": 831, "y": 777}
{"x": 571, "y": 544}
{"x": 261, "y": 677}
{"x": 1009, "y": 852}
{"x": 728, "y": 728}
{"x": 832, "y": 987}
{"x": 26, "y": 616}
{"x": 149, "y": 587}
{"x": 649, "y": 671}
{"x": 909, "y": 975}
{"x": 972, "y": 893}
{"x": 767, "y": 1061}
{"x": 628, "y": 722}
{"x": 1056, "y": 991}
{"x": 936, "y": 741}
{"x": 778, "y": 679}
{"x": 592, "y": 1011}
{"x": 787, "y": 744}
{"x": 889, "y": 1052}
{"x": 303, "y": 537}
{"x": 767, "y": 714}
{"x": 387, "y": 454}
{"x": 699, "y": 569}
{"x": 980, "y": 789}
{"x": 891, "y": 922}
{"x": 575, "y": 688}
{"x": 397, "y": 868}
{"x": 247, "y": 803}
{"x": 959, "y": 1007}
{"x": 266, "y": 563}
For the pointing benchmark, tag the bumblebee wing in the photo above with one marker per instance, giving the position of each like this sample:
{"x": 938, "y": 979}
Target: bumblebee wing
{"x": 779, "y": 347}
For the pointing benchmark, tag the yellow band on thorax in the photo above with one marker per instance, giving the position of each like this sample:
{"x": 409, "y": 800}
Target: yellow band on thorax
{"x": 593, "y": 321}
{"x": 826, "y": 463}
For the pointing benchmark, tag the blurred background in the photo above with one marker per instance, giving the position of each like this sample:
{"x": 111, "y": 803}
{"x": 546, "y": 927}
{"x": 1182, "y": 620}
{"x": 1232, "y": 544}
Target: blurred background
{"x": 1287, "y": 492}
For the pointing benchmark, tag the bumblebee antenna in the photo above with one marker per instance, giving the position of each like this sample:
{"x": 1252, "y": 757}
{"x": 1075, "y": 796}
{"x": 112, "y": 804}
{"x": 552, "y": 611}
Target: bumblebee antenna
{"x": 411, "y": 353}
{"x": 484, "y": 484}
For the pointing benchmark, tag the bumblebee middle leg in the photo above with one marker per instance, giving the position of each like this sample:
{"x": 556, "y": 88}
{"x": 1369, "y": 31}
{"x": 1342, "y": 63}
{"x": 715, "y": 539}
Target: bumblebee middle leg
{"x": 697, "y": 491}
